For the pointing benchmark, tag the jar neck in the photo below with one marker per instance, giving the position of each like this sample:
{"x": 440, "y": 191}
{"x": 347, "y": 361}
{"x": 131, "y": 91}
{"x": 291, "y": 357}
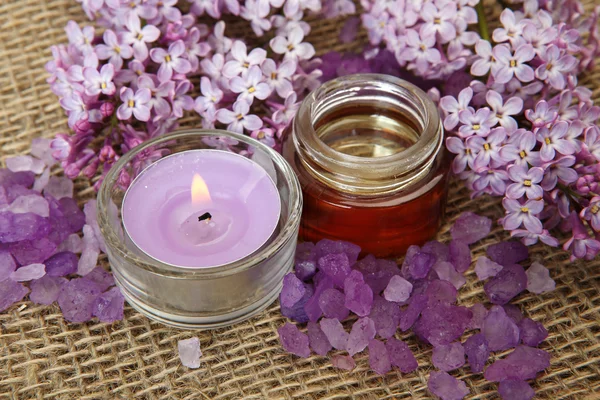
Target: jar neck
{"x": 368, "y": 134}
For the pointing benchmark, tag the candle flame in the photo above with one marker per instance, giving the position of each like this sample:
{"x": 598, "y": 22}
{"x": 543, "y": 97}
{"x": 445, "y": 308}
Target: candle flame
{"x": 200, "y": 193}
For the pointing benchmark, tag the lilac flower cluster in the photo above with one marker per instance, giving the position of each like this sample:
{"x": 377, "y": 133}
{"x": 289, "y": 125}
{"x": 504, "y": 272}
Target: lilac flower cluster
{"x": 39, "y": 238}
{"x": 134, "y": 81}
{"x": 330, "y": 283}
{"x": 528, "y": 132}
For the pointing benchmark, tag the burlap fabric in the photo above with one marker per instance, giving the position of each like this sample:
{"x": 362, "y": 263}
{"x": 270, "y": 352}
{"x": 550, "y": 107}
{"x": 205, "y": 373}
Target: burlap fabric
{"x": 42, "y": 356}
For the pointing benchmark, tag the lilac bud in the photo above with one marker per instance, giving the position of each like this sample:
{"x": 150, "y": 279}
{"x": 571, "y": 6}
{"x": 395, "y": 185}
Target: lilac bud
{"x": 124, "y": 179}
{"x": 586, "y": 184}
{"x": 91, "y": 169}
{"x": 107, "y": 109}
{"x": 72, "y": 171}
{"x": 82, "y": 127}
{"x": 107, "y": 154}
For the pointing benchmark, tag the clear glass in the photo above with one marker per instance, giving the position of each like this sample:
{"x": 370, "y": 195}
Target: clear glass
{"x": 368, "y": 150}
{"x": 199, "y": 297}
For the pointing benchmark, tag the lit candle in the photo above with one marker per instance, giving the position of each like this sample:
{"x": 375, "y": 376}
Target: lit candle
{"x": 201, "y": 208}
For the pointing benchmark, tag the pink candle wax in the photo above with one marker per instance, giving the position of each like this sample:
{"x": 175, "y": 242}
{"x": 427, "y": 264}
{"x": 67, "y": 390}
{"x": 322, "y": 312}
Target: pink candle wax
{"x": 201, "y": 208}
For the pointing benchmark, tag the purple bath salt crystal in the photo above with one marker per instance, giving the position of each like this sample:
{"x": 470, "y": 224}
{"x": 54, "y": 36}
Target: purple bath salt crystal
{"x": 72, "y": 243}
{"x": 297, "y": 311}
{"x": 331, "y": 302}
{"x": 486, "y": 268}
{"x": 76, "y": 299}
{"x": 447, "y": 272}
{"x": 377, "y": 272}
{"x": 379, "y": 360}
{"x": 10, "y": 293}
{"x": 385, "y": 316}
{"x": 9, "y": 178}
{"x": 29, "y": 272}
{"x": 292, "y": 290}
{"x": 400, "y": 355}
{"x": 532, "y": 333}
{"x": 413, "y": 311}
{"x": 448, "y": 357}
{"x": 477, "y": 351}
{"x": 438, "y": 249}
{"x": 108, "y": 307}
{"x": 75, "y": 218}
{"x": 317, "y": 339}
{"x": 61, "y": 264}
{"x": 336, "y": 266}
{"x": 513, "y": 312}
{"x": 13, "y": 192}
{"x": 417, "y": 266}
{"x": 509, "y": 282}
{"x": 333, "y": 329}
{"x": 479, "y": 313}
{"x": 460, "y": 255}
{"x": 398, "y": 289}
{"x": 507, "y": 253}
{"x": 40, "y": 148}
{"x": 59, "y": 187}
{"x": 101, "y": 277}
{"x": 515, "y": 389}
{"x": 312, "y": 306}
{"x": 189, "y": 352}
{"x": 326, "y": 246}
{"x": 440, "y": 292}
{"x": 470, "y": 228}
{"x": 293, "y": 341}
{"x": 446, "y": 387}
{"x": 18, "y": 227}
{"x": 359, "y": 296}
{"x": 522, "y": 364}
{"x": 305, "y": 261}
{"x": 87, "y": 261}
{"x": 25, "y": 163}
{"x": 362, "y": 332}
{"x": 442, "y": 324}
{"x": 30, "y": 203}
{"x": 46, "y": 289}
{"x": 538, "y": 279}
{"x": 499, "y": 330}
{"x": 7, "y": 264}
{"x": 343, "y": 362}
{"x": 32, "y": 251}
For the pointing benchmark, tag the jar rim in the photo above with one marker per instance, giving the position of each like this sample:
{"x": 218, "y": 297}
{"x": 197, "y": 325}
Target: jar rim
{"x": 158, "y": 267}
{"x": 373, "y": 170}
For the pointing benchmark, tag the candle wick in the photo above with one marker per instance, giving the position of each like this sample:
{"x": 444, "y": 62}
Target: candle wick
{"x": 205, "y": 217}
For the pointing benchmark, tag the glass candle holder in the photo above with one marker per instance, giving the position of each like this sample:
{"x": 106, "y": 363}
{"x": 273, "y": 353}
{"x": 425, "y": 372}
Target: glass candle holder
{"x": 368, "y": 151}
{"x": 204, "y": 297}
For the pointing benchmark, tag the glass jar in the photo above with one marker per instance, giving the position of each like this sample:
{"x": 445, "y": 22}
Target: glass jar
{"x": 368, "y": 151}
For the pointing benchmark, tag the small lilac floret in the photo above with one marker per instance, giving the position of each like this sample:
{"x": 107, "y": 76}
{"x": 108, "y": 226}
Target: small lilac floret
{"x": 292, "y": 290}
{"x": 333, "y": 329}
{"x": 377, "y": 272}
{"x": 442, "y": 324}
{"x": 32, "y": 251}
{"x": 336, "y": 266}
{"x": 108, "y": 307}
{"x": 28, "y": 272}
{"x": 446, "y": 387}
{"x": 499, "y": 330}
{"x": 509, "y": 282}
{"x": 507, "y": 253}
{"x": 438, "y": 249}
{"x": 298, "y": 312}
{"x": 305, "y": 261}
{"x": 343, "y": 362}
{"x": 76, "y": 299}
{"x": 448, "y": 357}
{"x": 362, "y": 332}
{"x": 7, "y": 264}
{"x": 400, "y": 355}
{"x": 101, "y": 277}
{"x": 46, "y": 289}
{"x": 331, "y": 302}
{"x": 293, "y": 341}
{"x": 440, "y": 292}
{"x": 317, "y": 339}
{"x": 61, "y": 264}
{"x": 479, "y": 314}
{"x": 379, "y": 359}
{"x": 486, "y": 268}
{"x": 470, "y": 228}
{"x": 10, "y": 293}
{"x": 460, "y": 255}
{"x": 532, "y": 332}
{"x": 327, "y": 246}
{"x": 514, "y": 389}
{"x": 538, "y": 279}
{"x": 385, "y": 315}
{"x": 398, "y": 289}
{"x": 447, "y": 272}
{"x": 359, "y": 296}
{"x": 189, "y": 352}
{"x": 477, "y": 351}
{"x": 524, "y": 363}
{"x": 413, "y": 311}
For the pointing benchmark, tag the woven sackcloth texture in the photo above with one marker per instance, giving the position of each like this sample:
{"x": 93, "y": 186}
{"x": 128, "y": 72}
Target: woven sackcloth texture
{"x": 42, "y": 356}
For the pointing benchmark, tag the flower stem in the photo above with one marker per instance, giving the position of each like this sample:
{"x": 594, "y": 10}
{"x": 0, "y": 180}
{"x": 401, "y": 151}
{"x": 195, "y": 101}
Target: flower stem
{"x": 482, "y": 22}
